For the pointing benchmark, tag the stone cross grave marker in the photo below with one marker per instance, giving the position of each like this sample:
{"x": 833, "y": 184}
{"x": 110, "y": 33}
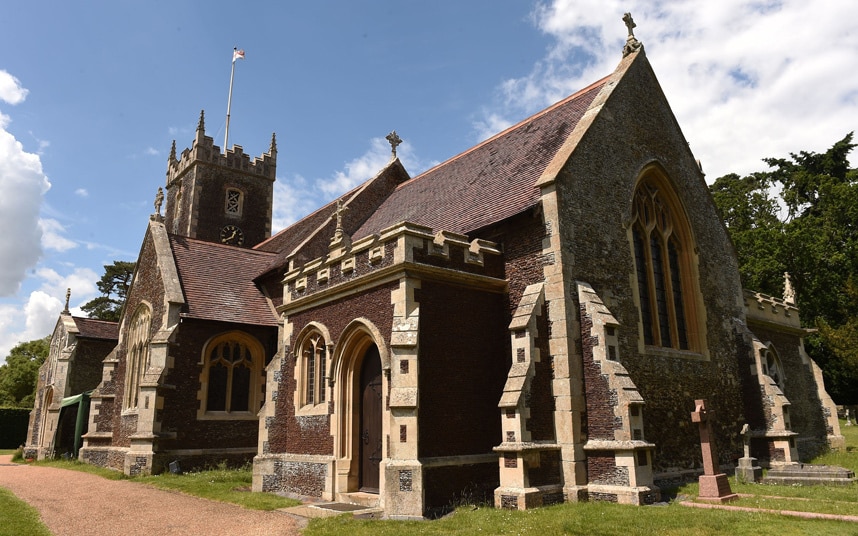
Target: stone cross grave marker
{"x": 714, "y": 485}
{"x": 747, "y": 470}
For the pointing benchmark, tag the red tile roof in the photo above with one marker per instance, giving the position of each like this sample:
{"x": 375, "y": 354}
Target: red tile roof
{"x": 91, "y": 328}
{"x": 217, "y": 281}
{"x": 488, "y": 183}
{"x": 482, "y": 186}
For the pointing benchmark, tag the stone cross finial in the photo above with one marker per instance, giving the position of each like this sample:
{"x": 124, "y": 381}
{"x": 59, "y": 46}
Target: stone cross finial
{"x": 159, "y": 199}
{"x": 630, "y": 24}
{"x": 789, "y": 292}
{"x": 632, "y": 44}
{"x": 338, "y": 215}
{"x": 394, "y": 140}
{"x": 68, "y": 297}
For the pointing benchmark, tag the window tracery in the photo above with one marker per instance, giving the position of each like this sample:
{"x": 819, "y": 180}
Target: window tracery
{"x": 231, "y": 378}
{"x": 234, "y": 202}
{"x": 137, "y": 355}
{"x": 661, "y": 246}
{"x": 314, "y": 360}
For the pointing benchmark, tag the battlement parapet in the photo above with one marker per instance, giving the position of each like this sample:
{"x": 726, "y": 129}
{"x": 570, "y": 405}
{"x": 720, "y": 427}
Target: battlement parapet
{"x": 768, "y": 309}
{"x": 203, "y": 150}
{"x": 404, "y": 245}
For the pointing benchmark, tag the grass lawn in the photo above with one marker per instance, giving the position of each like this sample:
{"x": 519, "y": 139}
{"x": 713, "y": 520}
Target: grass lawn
{"x": 220, "y": 484}
{"x": 674, "y": 519}
{"x": 18, "y": 517}
{"x": 596, "y": 518}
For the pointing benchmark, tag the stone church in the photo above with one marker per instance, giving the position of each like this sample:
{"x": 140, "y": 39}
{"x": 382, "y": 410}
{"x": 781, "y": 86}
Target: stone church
{"x": 529, "y": 321}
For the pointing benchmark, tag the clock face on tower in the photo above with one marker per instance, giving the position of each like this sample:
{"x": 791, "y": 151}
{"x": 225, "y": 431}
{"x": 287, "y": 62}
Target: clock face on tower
{"x": 231, "y": 235}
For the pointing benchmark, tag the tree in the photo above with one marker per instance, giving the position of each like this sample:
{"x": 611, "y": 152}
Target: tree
{"x": 18, "y": 376}
{"x": 801, "y": 217}
{"x": 114, "y": 287}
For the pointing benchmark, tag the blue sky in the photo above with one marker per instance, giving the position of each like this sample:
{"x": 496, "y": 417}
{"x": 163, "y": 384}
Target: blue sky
{"x": 92, "y": 94}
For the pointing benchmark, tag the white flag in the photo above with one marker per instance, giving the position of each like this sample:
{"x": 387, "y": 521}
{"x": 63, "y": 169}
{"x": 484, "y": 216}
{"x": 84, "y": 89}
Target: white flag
{"x": 237, "y": 55}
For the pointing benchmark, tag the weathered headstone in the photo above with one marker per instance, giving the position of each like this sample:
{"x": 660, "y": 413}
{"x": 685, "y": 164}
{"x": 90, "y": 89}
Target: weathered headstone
{"x": 714, "y": 485}
{"x": 747, "y": 471}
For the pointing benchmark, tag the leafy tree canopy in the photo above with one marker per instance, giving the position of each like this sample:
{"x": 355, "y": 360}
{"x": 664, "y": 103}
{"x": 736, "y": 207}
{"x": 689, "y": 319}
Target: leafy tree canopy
{"x": 114, "y": 288}
{"x": 801, "y": 217}
{"x": 18, "y": 376}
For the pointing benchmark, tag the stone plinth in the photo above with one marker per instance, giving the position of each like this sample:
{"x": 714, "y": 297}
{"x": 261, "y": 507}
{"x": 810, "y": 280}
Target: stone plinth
{"x": 748, "y": 470}
{"x": 809, "y": 475}
{"x": 715, "y": 488}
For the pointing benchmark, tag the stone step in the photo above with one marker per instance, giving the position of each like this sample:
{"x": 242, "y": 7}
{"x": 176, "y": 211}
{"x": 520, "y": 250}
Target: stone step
{"x": 369, "y": 500}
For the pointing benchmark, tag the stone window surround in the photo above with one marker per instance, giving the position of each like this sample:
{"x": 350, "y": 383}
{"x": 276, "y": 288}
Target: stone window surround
{"x": 318, "y": 337}
{"x": 257, "y": 378}
{"x": 136, "y": 355}
{"x": 693, "y": 307}
{"x": 233, "y": 202}
{"x": 770, "y": 365}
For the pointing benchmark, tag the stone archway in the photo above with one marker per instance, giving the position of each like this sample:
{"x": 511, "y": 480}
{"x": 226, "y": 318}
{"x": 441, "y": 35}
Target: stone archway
{"x": 357, "y": 423}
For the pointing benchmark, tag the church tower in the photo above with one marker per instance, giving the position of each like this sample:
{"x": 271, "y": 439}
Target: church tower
{"x": 220, "y": 197}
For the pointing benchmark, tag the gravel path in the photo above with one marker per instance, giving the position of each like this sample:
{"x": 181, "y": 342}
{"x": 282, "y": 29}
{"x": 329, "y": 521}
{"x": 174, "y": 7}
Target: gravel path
{"x": 74, "y": 504}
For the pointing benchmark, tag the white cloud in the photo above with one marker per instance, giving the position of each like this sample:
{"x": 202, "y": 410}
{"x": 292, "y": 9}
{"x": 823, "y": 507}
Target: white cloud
{"x": 81, "y": 192}
{"x": 358, "y": 170}
{"x": 747, "y": 79}
{"x": 24, "y": 185}
{"x": 292, "y": 201}
{"x": 151, "y": 151}
{"x": 37, "y": 314}
{"x": 52, "y": 238}
{"x": 11, "y": 90}
{"x": 297, "y": 197}
{"x": 81, "y": 281}
{"x": 39, "y": 317}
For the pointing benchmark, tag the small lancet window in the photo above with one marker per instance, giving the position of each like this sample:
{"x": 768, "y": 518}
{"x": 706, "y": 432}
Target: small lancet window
{"x": 314, "y": 361}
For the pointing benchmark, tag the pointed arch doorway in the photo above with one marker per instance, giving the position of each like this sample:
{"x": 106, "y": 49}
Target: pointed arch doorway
{"x": 370, "y": 396}
{"x": 360, "y": 371}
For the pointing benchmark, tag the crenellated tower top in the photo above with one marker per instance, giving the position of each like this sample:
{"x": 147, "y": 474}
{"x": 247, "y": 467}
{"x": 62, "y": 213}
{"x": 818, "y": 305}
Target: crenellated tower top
{"x": 220, "y": 197}
{"x": 204, "y": 150}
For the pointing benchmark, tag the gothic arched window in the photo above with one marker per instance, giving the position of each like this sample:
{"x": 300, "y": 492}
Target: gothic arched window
{"x": 231, "y": 383}
{"x": 772, "y": 366}
{"x": 136, "y": 354}
{"x": 662, "y": 247}
{"x": 314, "y": 362}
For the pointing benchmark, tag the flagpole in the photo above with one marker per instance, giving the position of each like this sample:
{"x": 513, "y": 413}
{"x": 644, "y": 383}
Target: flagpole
{"x": 229, "y": 101}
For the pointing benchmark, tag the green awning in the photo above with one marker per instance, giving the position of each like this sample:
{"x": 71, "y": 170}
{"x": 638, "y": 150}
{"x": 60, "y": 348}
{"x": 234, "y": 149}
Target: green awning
{"x": 72, "y": 400}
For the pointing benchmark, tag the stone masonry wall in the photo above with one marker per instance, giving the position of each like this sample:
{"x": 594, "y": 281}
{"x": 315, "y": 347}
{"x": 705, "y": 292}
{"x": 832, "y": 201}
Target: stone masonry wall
{"x": 634, "y": 129}
{"x": 464, "y": 358}
{"x": 181, "y": 405}
{"x": 85, "y": 371}
{"x": 147, "y": 287}
{"x": 806, "y": 411}
{"x": 312, "y": 435}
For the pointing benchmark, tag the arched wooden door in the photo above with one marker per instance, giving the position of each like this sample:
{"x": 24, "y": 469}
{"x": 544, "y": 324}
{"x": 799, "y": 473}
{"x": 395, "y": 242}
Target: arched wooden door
{"x": 370, "y": 420}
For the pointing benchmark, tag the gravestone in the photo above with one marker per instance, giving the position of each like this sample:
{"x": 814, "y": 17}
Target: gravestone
{"x": 747, "y": 470}
{"x": 714, "y": 485}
